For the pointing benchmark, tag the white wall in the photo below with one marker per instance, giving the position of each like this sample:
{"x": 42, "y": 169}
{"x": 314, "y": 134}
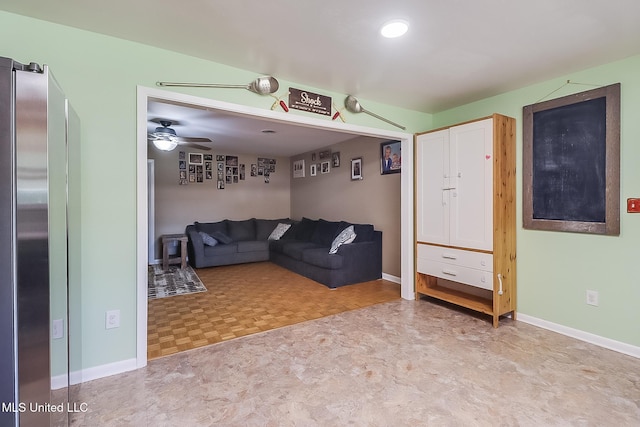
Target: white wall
{"x": 177, "y": 206}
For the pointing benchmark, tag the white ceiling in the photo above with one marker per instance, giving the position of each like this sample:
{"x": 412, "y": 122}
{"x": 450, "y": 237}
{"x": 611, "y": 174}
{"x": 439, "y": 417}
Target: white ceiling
{"x": 234, "y": 133}
{"x": 455, "y": 52}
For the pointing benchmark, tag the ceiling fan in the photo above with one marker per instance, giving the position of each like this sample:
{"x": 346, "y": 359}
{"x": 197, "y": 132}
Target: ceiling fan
{"x": 165, "y": 138}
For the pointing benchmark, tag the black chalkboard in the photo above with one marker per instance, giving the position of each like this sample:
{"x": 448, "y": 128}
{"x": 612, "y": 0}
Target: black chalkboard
{"x": 571, "y": 163}
{"x": 569, "y": 153}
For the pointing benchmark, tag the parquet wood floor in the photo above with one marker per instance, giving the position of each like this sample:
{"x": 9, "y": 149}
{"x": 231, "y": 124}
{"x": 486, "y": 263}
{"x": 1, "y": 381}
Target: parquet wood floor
{"x": 250, "y": 298}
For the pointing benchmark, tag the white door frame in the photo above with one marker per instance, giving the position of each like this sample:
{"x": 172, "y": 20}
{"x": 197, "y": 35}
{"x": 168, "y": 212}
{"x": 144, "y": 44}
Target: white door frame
{"x": 151, "y": 214}
{"x": 145, "y": 93}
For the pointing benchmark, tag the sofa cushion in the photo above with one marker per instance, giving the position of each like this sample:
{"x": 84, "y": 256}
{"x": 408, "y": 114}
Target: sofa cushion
{"x": 325, "y": 232}
{"x": 321, "y": 258}
{"x": 295, "y": 249}
{"x": 242, "y": 230}
{"x": 278, "y": 245}
{"x": 253, "y": 246}
{"x": 221, "y": 237}
{"x": 290, "y": 234}
{"x": 264, "y": 227}
{"x": 346, "y": 236}
{"x": 211, "y": 227}
{"x": 220, "y": 249}
{"x": 364, "y": 232}
{"x": 305, "y": 229}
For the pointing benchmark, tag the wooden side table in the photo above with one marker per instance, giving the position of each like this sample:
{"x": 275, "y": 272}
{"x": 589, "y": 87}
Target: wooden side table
{"x": 167, "y": 239}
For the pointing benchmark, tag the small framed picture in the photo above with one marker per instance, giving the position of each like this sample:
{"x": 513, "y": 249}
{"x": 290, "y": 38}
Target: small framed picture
{"x": 335, "y": 159}
{"x": 325, "y": 154}
{"x": 390, "y": 157}
{"x": 195, "y": 158}
{"x": 356, "y": 169}
{"x": 313, "y": 169}
{"x": 298, "y": 168}
{"x": 325, "y": 167}
{"x": 208, "y": 157}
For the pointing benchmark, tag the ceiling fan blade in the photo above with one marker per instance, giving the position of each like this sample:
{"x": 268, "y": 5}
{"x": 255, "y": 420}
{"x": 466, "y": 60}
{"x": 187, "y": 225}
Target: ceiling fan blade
{"x": 159, "y": 120}
{"x": 193, "y": 145}
{"x": 192, "y": 139}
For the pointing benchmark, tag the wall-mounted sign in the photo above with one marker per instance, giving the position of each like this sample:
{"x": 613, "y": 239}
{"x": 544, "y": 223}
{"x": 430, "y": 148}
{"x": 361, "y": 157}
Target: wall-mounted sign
{"x": 308, "y": 101}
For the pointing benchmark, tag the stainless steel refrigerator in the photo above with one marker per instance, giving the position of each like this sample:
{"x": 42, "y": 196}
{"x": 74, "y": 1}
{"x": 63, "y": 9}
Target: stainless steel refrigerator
{"x": 33, "y": 119}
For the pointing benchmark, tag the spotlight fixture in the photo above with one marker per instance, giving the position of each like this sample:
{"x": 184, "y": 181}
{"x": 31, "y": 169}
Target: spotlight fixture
{"x": 394, "y": 28}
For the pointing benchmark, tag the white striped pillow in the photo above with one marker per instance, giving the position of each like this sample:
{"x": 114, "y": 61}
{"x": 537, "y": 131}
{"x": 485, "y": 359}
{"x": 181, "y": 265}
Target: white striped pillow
{"x": 346, "y": 236}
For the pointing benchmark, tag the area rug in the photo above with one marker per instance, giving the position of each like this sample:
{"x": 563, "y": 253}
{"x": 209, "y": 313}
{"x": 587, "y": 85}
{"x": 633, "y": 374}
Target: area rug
{"x": 172, "y": 282}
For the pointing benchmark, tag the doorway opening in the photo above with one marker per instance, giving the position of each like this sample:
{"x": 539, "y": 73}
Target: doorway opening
{"x": 145, "y": 95}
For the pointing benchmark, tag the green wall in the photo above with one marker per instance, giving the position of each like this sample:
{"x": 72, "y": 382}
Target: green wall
{"x": 99, "y": 75}
{"x": 555, "y": 269}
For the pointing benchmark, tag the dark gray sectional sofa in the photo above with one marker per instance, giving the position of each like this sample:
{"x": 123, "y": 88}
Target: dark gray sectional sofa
{"x": 304, "y": 248}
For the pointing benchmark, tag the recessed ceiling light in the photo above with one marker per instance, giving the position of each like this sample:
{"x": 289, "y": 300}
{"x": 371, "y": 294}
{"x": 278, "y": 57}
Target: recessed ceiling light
{"x": 395, "y": 28}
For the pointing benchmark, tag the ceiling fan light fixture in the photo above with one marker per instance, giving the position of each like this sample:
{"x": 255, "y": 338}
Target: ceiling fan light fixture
{"x": 165, "y": 144}
{"x": 394, "y": 28}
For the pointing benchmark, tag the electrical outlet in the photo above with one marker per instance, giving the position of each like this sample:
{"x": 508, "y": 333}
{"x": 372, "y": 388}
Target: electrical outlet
{"x": 57, "y": 329}
{"x": 592, "y": 298}
{"x": 112, "y": 319}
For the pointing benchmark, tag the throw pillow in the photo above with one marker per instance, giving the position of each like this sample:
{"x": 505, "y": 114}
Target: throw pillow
{"x": 207, "y": 239}
{"x": 277, "y": 232}
{"x": 221, "y": 237}
{"x": 346, "y": 236}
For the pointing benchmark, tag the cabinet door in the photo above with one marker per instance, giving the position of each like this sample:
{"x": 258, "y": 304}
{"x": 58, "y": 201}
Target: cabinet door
{"x": 432, "y": 198}
{"x": 471, "y": 165}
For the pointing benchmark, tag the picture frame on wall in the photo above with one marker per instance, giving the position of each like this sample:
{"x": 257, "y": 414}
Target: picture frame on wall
{"x": 231, "y": 160}
{"x": 335, "y": 159}
{"x": 356, "y": 169}
{"x": 390, "y": 157}
{"x": 195, "y": 158}
{"x": 313, "y": 169}
{"x": 325, "y": 167}
{"x": 298, "y": 168}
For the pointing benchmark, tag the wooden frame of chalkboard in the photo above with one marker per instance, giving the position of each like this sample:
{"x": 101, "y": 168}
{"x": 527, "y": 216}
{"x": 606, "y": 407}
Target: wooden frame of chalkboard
{"x": 571, "y": 163}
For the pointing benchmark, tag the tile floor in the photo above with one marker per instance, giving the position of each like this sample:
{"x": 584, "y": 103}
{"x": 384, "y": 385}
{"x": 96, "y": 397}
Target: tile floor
{"x": 400, "y": 363}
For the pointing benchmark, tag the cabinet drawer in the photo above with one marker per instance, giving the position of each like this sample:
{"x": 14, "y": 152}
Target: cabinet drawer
{"x": 457, "y": 257}
{"x": 468, "y": 276}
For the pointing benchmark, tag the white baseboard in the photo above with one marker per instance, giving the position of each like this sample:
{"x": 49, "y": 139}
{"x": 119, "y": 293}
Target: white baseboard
{"x": 608, "y": 343}
{"x": 102, "y": 371}
{"x": 394, "y": 279}
{"x": 59, "y": 381}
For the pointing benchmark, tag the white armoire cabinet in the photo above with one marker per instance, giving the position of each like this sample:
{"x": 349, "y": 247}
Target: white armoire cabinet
{"x": 465, "y": 215}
